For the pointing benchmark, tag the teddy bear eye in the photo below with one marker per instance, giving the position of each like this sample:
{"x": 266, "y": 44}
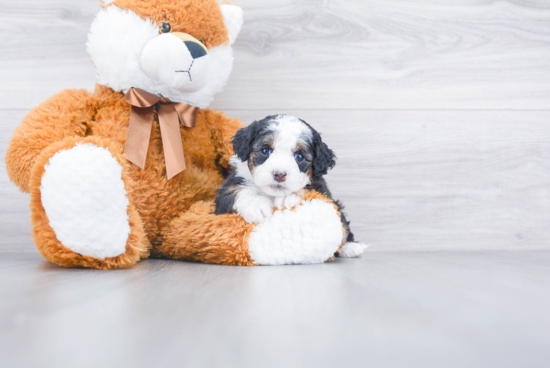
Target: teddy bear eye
{"x": 165, "y": 28}
{"x": 202, "y": 41}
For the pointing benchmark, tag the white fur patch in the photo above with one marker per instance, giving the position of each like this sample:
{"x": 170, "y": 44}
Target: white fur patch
{"x": 233, "y": 19}
{"x": 289, "y": 131}
{"x": 166, "y": 59}
{"x": 116, "y": 42}
{"x": 309, "y": 234}
{"x": 253, "y": 206}
{"x": 352, "y": 249}
{"x": 241, "y": 168}
{"x": 85, "y": 200}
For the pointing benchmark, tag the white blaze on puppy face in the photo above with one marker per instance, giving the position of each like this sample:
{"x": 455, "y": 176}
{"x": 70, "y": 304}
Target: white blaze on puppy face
{"x": 289, "y": 135}
{"x": 128, "y": 52}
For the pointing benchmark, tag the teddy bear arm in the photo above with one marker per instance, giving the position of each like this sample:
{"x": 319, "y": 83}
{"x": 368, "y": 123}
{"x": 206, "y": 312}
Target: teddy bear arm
{"x": 66, "y": 114}
{"x": 223, "y": 130}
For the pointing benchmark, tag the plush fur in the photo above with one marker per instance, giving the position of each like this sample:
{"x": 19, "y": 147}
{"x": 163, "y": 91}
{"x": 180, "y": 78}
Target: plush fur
{"x": 149, "y": 215}
{"x": 311, "y": 232}
{"x": 85, "y": 200}
{"x": 312, "y": 235}
{"x": 45, "y": 238}
{"x": 127, "y": 50}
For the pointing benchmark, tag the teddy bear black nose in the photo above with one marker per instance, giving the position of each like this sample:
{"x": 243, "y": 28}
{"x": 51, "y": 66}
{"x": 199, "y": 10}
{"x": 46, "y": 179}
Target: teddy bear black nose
{"x": 195, "y": 49}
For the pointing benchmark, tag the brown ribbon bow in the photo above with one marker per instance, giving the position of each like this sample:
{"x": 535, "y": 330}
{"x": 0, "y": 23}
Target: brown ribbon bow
{"x": 141, "y": 123}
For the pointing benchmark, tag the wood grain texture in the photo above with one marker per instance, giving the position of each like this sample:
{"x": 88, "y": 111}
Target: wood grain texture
{"x": 337, "y": 54}
{"x": 416, "y": 180}
{"x": 420, "y": 309}
{"x": 393, "y": 55}
{"x": 43, "y": 48}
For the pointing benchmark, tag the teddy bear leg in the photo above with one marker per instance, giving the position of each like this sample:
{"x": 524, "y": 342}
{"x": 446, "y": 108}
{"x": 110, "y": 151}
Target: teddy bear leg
{"x": 199, "y": 235}
{"x": 80, "y": 211}
{"x": 309, "y": 233}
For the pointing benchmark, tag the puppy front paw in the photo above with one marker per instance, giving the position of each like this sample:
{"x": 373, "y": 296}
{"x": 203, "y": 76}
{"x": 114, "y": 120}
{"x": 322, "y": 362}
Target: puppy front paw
{"x": 289, "y": 201}
{"x": 255, "y": 212}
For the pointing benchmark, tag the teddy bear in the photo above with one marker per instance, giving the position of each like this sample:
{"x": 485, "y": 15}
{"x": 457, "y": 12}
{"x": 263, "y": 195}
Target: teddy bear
{"x": 130, "y": 171}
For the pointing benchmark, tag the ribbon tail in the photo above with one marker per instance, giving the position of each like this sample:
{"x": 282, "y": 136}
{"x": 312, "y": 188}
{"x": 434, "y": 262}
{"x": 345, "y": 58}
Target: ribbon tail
{"x": 139, "y": 134}
{"x": 188, "y": 114}
{"x": 171, "y": 140}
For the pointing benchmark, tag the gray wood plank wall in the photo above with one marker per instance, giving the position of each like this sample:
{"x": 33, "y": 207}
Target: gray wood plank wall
{"x": 439, "y": 112}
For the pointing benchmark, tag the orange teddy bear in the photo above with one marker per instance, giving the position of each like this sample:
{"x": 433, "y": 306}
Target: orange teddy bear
{"x": 130, "y": 170}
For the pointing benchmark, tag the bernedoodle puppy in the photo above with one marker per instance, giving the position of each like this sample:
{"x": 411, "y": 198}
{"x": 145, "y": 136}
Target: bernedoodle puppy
{"x": 278, "y": 159}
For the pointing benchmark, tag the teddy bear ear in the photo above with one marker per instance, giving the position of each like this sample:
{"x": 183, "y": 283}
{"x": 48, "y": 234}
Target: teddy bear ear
{"x": 233, "y": 18}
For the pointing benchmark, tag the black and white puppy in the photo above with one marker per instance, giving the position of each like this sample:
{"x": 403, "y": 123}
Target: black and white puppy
{"x": 278, "y": 159}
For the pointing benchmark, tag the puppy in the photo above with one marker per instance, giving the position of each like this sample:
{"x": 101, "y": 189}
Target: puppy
{"x": 278, "y": 159}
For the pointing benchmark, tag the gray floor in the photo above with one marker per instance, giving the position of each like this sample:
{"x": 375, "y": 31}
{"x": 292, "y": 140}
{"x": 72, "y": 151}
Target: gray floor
{"x": 388, "y": 309}
{"x": 440, "y": 116}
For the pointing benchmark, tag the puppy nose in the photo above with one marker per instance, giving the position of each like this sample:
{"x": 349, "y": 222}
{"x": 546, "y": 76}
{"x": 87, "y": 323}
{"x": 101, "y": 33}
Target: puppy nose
{"x": 279, "y": 176}
{"x": 196, "y": 50}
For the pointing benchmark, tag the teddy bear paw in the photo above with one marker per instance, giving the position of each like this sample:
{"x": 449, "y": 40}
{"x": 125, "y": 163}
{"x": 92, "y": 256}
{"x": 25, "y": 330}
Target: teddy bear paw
{"x": 84, "y": 197}
{"x": 310, "y": 233}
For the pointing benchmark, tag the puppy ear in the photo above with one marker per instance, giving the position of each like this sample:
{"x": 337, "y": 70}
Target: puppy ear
{"x": 324, "y": 158}
{"x": 242, "y": 141}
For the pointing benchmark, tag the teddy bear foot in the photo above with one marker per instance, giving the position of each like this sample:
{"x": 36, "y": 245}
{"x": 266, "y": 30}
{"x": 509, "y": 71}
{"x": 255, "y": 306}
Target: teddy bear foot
{"x": 311, "y": 233}
{"x": 89, "y": 221}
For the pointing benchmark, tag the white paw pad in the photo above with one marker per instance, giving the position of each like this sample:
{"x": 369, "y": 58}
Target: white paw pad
{"x": 85, "y": 200}
{"x": 352, "y": 249}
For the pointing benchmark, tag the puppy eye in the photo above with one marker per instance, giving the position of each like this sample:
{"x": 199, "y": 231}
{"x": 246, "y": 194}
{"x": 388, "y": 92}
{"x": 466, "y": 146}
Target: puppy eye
{"x": 298, "y": 157}
{"x": 267, "y": 151}
{"x": 165, "y": 28}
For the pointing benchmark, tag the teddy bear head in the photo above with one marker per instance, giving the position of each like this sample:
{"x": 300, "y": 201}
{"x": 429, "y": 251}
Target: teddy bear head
{"x": 177, "y": 49}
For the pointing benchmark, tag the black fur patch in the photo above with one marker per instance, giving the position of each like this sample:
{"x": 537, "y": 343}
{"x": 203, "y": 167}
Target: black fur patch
{"x": 305, "y": 148}
{"x": 242, "y": 141}
{"x": 324, "y": 158}
{"x": 253, "y": 139}
{"x": 225, "y": 197}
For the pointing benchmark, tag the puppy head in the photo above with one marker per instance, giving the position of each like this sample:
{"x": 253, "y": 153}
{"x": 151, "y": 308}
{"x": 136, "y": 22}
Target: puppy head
{"x": 177, "y": 49}
{"x": 284, "y": 154}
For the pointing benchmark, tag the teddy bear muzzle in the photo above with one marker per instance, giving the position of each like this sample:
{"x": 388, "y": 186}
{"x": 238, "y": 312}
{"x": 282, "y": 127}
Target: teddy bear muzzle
{"x": 177, "y": 60}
